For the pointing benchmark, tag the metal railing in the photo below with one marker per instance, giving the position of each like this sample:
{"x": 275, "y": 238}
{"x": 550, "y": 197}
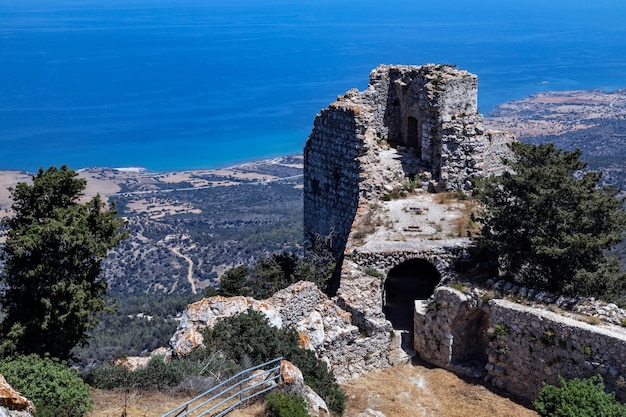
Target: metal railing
{"x": 223, "y": 398}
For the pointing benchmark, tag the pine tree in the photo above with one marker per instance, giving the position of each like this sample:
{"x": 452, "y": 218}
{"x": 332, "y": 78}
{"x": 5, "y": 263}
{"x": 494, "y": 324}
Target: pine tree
{"x": 550, "y": 224}
{"x": 53, "y": 252}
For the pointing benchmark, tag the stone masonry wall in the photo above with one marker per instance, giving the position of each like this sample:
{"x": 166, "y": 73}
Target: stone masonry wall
{"x": 331, "y": 175}
{"x": 517, "y": 347}
{"x": 440, "y": 257}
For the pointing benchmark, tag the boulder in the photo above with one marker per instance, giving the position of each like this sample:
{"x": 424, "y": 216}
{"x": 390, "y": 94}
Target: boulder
{"x": 291, "y": 376}
{"x": 315, "y": 404}
{"x": 12, "y": 401}
{"x": 293, "y": 382}
{"x": 132, "y": 363}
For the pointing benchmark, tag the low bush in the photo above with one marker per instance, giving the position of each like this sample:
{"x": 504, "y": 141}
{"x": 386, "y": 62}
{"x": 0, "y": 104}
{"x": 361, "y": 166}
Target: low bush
{"x": 55, "y": 389}
{"x": 159, "y": 374}
{"x": 279, "y": 404}
{"x": 248, "y": 338}
{"x": 578, "y": 398}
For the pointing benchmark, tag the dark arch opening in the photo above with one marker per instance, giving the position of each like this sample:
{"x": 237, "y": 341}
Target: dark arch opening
{"x": 469, "y": 340}
{"x": 412, "y": 280}
{"x": 413, "y": 135}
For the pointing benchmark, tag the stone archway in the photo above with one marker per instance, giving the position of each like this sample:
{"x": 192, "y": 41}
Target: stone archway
{"x": 469, "y": 339}
{"x": 414, "y": 279}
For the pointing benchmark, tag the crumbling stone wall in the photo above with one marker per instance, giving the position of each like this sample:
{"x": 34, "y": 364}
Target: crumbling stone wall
{"x": 331, "y": 174}
{"x": 521, "y": 347}
{"x": 430, "y": 109}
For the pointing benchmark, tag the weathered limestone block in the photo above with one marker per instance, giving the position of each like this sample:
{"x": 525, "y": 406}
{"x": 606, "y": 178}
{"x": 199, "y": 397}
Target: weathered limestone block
{"x": 293, "y": 382}
{"x": 12, "y": 403}
{"x": 296, "y": 301}
{"x": 313, "y": 327}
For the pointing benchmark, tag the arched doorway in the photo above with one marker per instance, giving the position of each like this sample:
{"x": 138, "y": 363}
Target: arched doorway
{"x": 412, "y": 280}
{"x": 413, "y": 136}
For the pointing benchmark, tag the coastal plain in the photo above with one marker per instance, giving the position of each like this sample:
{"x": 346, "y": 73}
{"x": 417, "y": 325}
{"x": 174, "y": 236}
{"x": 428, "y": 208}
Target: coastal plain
{"x": 556, "y": 113}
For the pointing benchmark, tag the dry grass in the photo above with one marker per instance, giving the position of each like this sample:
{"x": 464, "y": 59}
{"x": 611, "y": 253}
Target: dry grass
{"x": 151, "y": 404}
{"x": 417, "y": 391}
{"x": 138, "y": 403}
{"x": 371, "y": 219}
{"x": 401, "y": 391}
{"x": 464, "y": 226}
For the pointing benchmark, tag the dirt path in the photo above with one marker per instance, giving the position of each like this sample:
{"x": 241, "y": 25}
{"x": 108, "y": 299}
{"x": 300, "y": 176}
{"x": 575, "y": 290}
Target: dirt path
{"x": 176, "y": 251}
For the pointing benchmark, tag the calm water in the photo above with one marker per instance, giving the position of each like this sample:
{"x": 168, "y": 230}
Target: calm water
{"x": 172, "y": 85}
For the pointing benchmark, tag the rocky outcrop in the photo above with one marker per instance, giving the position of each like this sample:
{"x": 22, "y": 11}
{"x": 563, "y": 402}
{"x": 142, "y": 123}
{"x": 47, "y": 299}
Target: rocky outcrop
{"x": 324, "y": 327}
{"x": 132, "y": 363}
{"x": 12, "y": 403}
{"x": 206, "y": 312}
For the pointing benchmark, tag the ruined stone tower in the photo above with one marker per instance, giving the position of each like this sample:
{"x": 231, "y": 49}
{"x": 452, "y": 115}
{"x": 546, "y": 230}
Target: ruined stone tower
{"x": 427, "y": 113}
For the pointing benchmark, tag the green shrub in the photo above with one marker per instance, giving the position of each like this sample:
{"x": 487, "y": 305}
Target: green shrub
{"x": 107, "y": 376}
{"x": 373, "y": 272}
{"x": 55, "y": 389}
{"x": 159, "y": 374}
{"x": 248, "y": 338}
{"x": 279, "y": 404}
{"x": 578, "y": 398}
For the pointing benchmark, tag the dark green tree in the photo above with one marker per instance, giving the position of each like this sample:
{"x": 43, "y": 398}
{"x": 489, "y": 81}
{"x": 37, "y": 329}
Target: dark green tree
{"x": 54, "y": 248}
{"x": 549, "y": 224}
{"x": 276, "y": 272}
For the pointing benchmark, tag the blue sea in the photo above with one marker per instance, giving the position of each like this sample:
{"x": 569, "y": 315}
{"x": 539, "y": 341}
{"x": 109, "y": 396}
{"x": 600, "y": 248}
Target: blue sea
{"x": 191, "y": 84}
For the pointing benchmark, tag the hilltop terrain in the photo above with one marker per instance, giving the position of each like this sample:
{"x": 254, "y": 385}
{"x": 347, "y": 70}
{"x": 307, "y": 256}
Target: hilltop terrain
{"x": 188, "y": 227}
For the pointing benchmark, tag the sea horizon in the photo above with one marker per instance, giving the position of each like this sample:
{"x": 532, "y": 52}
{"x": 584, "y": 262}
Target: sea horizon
{"x": 177, "y": 87}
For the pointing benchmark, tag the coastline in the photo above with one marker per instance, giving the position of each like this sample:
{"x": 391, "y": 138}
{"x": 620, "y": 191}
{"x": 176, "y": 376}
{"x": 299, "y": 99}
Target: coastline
{"x": 109, "y": 182}
{"x": 548, "y": 113}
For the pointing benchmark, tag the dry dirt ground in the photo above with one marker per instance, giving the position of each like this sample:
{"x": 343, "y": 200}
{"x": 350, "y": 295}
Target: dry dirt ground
{"x": 401, "y": 391}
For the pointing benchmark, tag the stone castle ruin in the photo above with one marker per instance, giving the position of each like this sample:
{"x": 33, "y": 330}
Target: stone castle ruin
{"x": 380, "y": 168}
{"x": 378, "y": 164}
{"x": 428, "y": 114}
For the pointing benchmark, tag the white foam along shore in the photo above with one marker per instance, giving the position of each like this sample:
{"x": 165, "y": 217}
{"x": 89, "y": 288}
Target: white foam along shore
{"x": 130, "y": 169}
